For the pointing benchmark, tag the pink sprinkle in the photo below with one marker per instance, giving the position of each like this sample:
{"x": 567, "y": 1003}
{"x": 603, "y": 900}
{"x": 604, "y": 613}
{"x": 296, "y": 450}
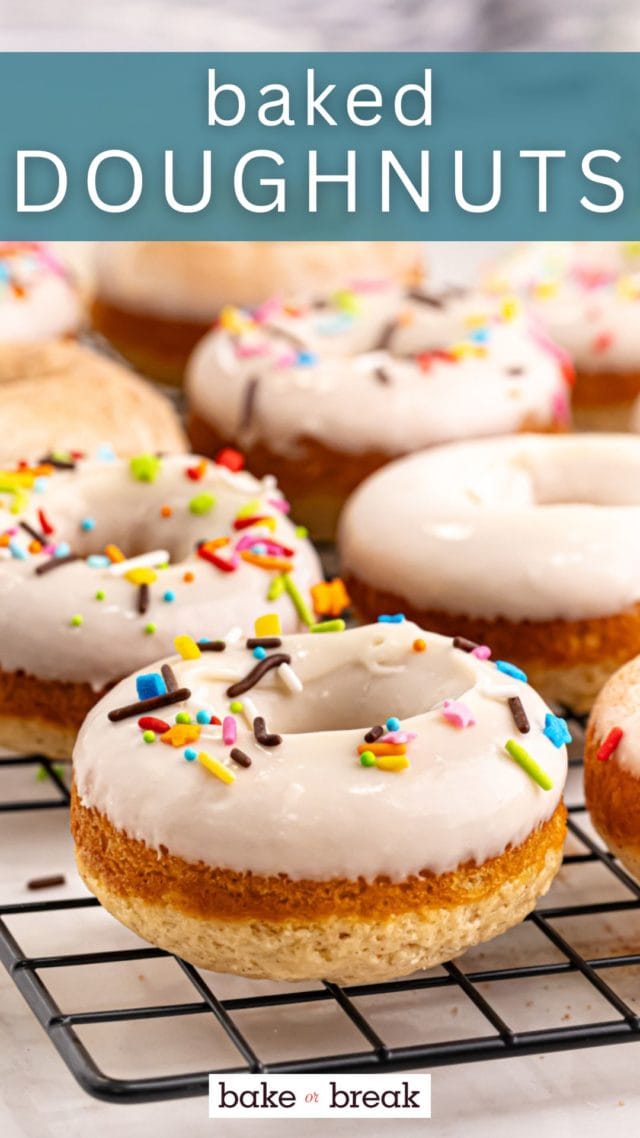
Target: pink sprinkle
{"x": 372, "y": 285}
{"x": 247, "y": 351}
{"x": 229, "y": 730}
{"x": 280, "y": 504}
{"x": 457, "y": 713}
{"x": 482, "y": 652}
{"x": 398, "y": 737}
{"x": 286, "y": 359}
{"x": 265, "y": 311}
{"x": 560, "y": 407}
{"x": 602, "y": 341}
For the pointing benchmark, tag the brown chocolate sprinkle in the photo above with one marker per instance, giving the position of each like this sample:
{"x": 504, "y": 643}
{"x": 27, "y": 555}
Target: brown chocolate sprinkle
{"x": 374, "y": 734}
{"x": 47, "y": 882}
{"x": 255, "y": 675}
{"x": 382, "y": 376}
{"x": 464, "y": 644}
{"x": 426, "y": 298}
{"x": 386, "y": 336}
{"x": 240, "y": 757}
{"x": 264, "y": 642}
{"x": 142, "y": 705}
{"x": 144, "y": 598}
{"x": 515, "y": 370}
{"x": 519, "y": 714}
{"x": 169, "y": 677}
{"x": 262, "y": 735}
{"x": 248, "y": 404}
{"x": 58, "y": 463}
{"x": 290, "y": 337}
{"x": 55, "y": 563}
{"x": 33, "y": 532}
{"x": 212, "y": 645}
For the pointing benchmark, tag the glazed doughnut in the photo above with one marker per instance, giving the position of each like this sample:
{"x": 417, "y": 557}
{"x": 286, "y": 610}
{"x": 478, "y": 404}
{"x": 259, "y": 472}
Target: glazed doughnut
{"x": 587, "y": 296}
{"x": 38, "y": 299}
{"x": 529, "y": 544}
{"x": 103, "y": 562}
{"x": 384, "y": 804}
{"x": 155, "y": 300}
{"x": 612, "y": 765}
{"x": 62, "y": 395}
{"x": 325, "y": 394}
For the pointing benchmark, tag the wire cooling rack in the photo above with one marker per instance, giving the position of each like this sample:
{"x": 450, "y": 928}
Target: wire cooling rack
{"x": 457, "y": 1011}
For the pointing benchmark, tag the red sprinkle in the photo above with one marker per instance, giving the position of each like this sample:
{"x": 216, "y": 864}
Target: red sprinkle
{"x": 214, "y": 558}
{"x": 45, "y": 524}
{"x": 150, "y": 723}
{"x": 610, "y": 744}
{"x": 602, "y": 341}
{"x": 232, "y": 459}
{"x": 214, "y": 719}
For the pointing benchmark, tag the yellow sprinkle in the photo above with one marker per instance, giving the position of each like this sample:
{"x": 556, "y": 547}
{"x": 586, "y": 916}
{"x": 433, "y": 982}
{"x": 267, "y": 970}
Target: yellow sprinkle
{"x": 250, "y": 509}
{"x": 187, "y": 647}
{"x": 544, "y": 290}
{"x": 392, "y": 763}
{"x": 216, "y": 768}
{"x": 141, "y": 576}
{"x": 509, "y": 309}
{"x": 268, "y": 625}
{"x": 232, "y": 319}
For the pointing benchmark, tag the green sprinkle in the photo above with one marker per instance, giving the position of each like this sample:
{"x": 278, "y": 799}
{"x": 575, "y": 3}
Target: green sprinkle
{"x": 299, "y": 603}
{"x": 145, "y": 467}
{"x": 183, "y": 717}
{"x": 301, "y": 531}
{"x": 236, "y": 706}
{"x": 202, "y": 503}
{"x": 149, "y": 736}
{"x": 61, "y": 455}
{"x": 528, "y": 764}
{"x": 276, "y": 588}
{"x": 76, "y": 620}
{"x": 368, "y": 759}
{"x": 42, "y": 774}
{"x": 150, "y": 628}
{"x": 100, "y": 595}
{"x": 328, "y": 626}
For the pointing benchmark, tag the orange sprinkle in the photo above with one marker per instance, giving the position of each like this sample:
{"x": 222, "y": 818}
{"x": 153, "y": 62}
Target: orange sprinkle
{"x": 419, "y": 646}
{"x": 405, "y": 318}
{"x": 383, "y": 748}
{"x": 330, "y": 598}
{"x": 35, "y": 547}
{"x": 263, "y": 561}
{"x": 188, "y": 577}
{"x": 4, "y": 539}
{"x": 114, "y": 554}
{"x": 165, "y": 511}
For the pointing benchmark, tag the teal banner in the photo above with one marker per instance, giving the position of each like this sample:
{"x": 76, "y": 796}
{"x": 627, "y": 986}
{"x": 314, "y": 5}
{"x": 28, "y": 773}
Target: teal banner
{"x": 241, "y": 146}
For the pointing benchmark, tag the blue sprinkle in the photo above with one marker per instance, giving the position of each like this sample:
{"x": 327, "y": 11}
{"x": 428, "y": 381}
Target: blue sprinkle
{"x": 479, "y": 336}
{"x": 17, "y": 551}
{"x": 259, "y": 548}
{"x": 555, "y": 728}
{"x": 106, "y": 453}
{"x": 87, "y": 524}
{"x": 393, "y": 723}
{"x": 511, "y": 670}
{"x": 395, "y": 618}
{"x": 98, "y": 561}
{"x": 259, "y": 653}
{"x": 150, "y": 684}
{"x": 202, "y": 717}
{"x": 205, "y": 640}
{"x": 190, "y": 754}
{"x": 40, "y": 485}
{"x": 169, "y": 596}
{"x": 307, "y": 358}
{"x": 62, "y": 549}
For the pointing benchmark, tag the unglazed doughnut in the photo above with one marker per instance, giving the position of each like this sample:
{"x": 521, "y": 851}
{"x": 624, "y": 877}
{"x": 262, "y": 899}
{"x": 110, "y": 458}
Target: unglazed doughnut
{"x": 62, "y": 395}
{"x": 327, "y": 393}
{"x": 38, "y": 299}
{"x": 529, "y": 544}
{"x": 84, "y": 591}
{"x": 587, "y": 296}
{"x": 155, "y": 300}
{"x": 612, "y": 765}
{"x": 358, "y": 817}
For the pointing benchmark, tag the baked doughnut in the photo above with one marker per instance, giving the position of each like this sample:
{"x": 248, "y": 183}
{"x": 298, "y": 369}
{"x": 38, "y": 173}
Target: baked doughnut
{"x": 327, "y": 393}
{"x": 62, "y": 395}
{"x": 155, "y": 300}
{"x": 528, "y": 544}
{"x": 587, "y": 297}
{"x": 102, "y": 563}
{"x": 375, "y": 801}
{"x": 611, "y": 765}
{"x": 38, "y": 299}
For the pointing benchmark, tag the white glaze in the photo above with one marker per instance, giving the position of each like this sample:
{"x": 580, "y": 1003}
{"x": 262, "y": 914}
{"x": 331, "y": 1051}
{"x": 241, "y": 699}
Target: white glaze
{"x": 618, "y": 705}
{"x": 37, "y": 298}
{"x": 531, "y": 527}
{"x": 337, "y": 398}
{"x": 308, "y": 808}
{"x": 35, "y": 611}
{"x": 586, "y": 295}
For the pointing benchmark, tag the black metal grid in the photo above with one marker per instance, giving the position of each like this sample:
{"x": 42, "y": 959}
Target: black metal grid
{"x": 500, "y": 1040}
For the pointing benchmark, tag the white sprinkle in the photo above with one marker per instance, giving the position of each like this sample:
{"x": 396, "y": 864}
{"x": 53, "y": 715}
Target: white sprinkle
{"x": 144, "y": 561}
{"x": 289, "y": 678}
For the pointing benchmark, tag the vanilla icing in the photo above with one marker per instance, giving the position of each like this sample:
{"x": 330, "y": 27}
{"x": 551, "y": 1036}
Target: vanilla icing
{"x": 529, "y": 527}
{"x": 37, "y": 299}
{"x": 307, "y": 807}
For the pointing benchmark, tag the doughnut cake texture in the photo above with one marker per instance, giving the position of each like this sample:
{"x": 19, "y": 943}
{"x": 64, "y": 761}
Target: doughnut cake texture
{"x": 587, "y": 297}
{"x": 530, "y": 544}
{"x": 612, "y": 765}
{"x": 38, "y": 299}
{"x": 326, "y": 393}
{"x": 103, "y": 563}
{"x": 60, "y": 394}
{"x": 374, "y": 801}
{"x": 155, "y": 300}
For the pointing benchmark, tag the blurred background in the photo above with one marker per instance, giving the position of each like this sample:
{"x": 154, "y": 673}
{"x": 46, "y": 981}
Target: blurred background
{"x": 290, "y": 25}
